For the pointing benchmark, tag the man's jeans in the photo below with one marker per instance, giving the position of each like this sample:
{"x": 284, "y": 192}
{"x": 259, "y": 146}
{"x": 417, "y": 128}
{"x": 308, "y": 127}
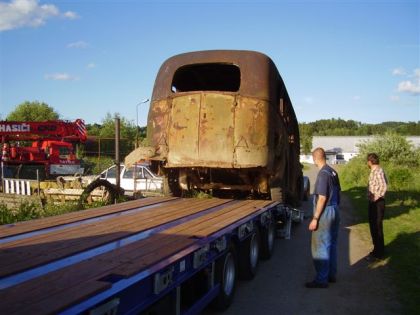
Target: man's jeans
{"x": 324, "y": 244}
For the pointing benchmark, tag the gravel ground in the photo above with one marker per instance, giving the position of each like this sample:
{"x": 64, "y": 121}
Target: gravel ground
{"x": 278, "y": 288}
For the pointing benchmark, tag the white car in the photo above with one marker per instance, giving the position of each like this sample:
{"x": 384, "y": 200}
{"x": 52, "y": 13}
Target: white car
{"x": 136, "y": 178}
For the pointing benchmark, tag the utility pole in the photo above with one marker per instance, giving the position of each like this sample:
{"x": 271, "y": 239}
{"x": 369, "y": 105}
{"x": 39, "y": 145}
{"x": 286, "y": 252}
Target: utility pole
{"x": 137, "y": 120}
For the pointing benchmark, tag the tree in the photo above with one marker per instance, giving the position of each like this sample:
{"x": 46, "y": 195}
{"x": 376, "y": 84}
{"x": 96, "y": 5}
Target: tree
{"x": 393, "y": 148}
{"x": 106, "y": 133}
{"x": 127, "y": 128}
{"x": 33, "y": 111}
{"x": 305, "y": 132}
{"x": 399, "y": 158}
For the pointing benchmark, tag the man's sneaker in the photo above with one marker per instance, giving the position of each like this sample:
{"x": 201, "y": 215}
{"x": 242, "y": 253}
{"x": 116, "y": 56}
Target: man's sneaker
{"x": 317, "y": 285}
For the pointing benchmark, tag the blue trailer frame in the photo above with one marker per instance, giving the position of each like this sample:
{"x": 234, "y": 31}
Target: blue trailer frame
{"x": 135, "y": 294}
{"x": 184, "y": 278}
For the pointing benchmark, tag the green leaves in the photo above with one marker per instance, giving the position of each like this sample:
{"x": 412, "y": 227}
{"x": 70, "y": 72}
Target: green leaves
{"x": 399, "y": 159}
{"x": 393, "y": 148}
{"x": 33, "y": 111}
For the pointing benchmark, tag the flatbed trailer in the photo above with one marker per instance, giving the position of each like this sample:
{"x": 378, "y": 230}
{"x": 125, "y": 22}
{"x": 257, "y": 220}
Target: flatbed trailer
{"x": 162, "y": 255}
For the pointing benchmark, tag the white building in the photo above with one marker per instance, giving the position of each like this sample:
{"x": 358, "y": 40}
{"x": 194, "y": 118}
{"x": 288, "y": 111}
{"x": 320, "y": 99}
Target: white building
{"x": 341, "y": 149}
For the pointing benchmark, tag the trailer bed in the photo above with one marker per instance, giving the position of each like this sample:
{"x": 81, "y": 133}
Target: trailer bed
{"x": 57, "y": 264}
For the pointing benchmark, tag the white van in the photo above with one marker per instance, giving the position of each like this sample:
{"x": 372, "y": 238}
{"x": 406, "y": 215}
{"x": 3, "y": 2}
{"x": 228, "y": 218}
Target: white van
{"x": 136, "y": 178}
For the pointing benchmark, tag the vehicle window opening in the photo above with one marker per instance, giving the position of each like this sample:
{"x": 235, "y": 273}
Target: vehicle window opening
{"x": 207, "y": 77}
{"x": 112, "y": 172}
{"x": 147, "y": 174}
{"x": 63, "y": 151}
{"x": 129, "y": 173}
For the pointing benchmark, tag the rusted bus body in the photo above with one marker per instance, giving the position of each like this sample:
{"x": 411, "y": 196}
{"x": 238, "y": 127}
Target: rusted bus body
{"x": 222, "y": 120}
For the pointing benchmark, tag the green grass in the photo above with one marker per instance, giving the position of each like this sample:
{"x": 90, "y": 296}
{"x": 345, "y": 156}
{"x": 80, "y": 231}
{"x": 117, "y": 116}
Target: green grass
{"x": 29, "y": 211}
{"x": 402, "y": 239}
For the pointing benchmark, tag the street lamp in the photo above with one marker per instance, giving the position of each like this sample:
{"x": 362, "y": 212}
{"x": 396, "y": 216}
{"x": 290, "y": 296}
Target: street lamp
{"x": 137, "y": 120}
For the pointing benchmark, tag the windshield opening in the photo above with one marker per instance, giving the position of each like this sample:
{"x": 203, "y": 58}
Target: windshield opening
{"x": 207, "y": 77}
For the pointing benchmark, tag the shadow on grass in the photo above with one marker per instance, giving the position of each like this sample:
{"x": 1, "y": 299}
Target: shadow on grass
{"x": 403, "y": 245}
{"x": 396, "y": 202}
{"x": 404, "y": 256}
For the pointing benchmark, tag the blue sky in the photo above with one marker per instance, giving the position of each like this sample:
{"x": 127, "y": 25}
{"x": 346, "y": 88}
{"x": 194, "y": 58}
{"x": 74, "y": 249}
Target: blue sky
{"x": 350, "y": 59}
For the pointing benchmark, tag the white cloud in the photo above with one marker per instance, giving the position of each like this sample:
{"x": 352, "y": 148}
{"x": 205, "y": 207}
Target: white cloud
{"x": 60, "y": 77}
{"x": 399, "y": 71}
{"x": 412, "y": 83}
{"x": 71, "y": 15}
{"x": 412, "y": 87}
{"x": 23, "y": 13}
{"x": 91, "y": 65}
{"x": 79, "y": 44}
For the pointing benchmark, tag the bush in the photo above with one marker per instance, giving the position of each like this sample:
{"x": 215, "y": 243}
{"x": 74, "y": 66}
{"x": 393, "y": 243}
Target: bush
{"x": 399, "y": 159}
{"x": 95, "y": 165}
{"x": 354, "y": 174}
{"x": 25, "y": 211}
{"x": 28, "y": 210}
{"x": 393, "y": 148}
{"x": 61, "y": 208}
{"x": 400, "y": 177}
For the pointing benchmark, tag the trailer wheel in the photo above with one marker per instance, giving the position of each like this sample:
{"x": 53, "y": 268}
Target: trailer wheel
{"x": 249, "y": 255}
{"x": 268, "y": 235}
{"x": 111, "y": 192}
{"x": 226, "y": 274}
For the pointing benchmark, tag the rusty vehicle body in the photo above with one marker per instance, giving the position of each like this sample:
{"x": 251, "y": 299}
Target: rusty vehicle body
{"x": 222, "y": 121}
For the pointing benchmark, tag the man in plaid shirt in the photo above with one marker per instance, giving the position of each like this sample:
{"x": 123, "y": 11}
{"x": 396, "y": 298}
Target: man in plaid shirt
{"x": 376, "y": 196}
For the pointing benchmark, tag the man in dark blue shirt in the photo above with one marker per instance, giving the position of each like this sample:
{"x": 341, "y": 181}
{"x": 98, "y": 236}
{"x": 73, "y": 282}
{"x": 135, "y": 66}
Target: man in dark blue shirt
{"x": 325, "y": 222}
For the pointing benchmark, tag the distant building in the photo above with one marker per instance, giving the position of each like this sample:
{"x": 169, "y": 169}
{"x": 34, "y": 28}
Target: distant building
{"x": 341, "y": 149}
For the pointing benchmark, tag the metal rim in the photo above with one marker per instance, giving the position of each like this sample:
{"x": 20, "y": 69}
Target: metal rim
{"x": 229, "y": 274}
{"x": 253, "y": 250}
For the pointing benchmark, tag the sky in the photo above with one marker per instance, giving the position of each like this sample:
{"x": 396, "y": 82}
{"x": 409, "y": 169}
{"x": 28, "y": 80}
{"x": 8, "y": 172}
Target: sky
{"x": 355, "y": 60}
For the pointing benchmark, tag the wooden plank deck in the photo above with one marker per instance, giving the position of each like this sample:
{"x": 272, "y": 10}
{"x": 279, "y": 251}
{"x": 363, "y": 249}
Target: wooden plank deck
{"x": 8, "y": 230}
{"x": 30, "y": 252}
{"x": 59, "y": 289}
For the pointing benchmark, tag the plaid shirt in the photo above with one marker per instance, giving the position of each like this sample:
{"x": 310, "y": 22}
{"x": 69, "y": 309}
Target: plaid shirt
{"x": 377, "y": 184}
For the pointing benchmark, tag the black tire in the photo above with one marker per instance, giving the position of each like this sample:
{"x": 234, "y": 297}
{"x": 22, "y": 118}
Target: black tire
{"x": 249, "y": 253}
{"x": 111, "y": 190}
{"x": 268, "y": 236}
{"x": 226, "y": 275}
{"x": 171, "y": 185}
{"x": 277, "y": 194}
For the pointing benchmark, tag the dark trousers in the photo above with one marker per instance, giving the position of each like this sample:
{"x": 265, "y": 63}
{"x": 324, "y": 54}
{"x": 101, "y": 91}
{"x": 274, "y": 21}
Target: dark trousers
{"x": 376, "y": 215}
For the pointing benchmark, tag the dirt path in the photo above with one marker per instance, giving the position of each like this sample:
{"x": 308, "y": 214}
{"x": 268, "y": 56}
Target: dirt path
{"x": 279, "y": 288}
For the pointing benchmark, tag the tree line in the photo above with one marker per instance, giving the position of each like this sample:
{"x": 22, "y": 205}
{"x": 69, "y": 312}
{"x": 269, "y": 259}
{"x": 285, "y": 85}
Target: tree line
{"x": 341, "y": 127}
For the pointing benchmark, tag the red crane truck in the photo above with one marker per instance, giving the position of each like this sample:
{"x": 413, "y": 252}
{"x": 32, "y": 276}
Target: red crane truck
{"x": 50, "y": 150}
